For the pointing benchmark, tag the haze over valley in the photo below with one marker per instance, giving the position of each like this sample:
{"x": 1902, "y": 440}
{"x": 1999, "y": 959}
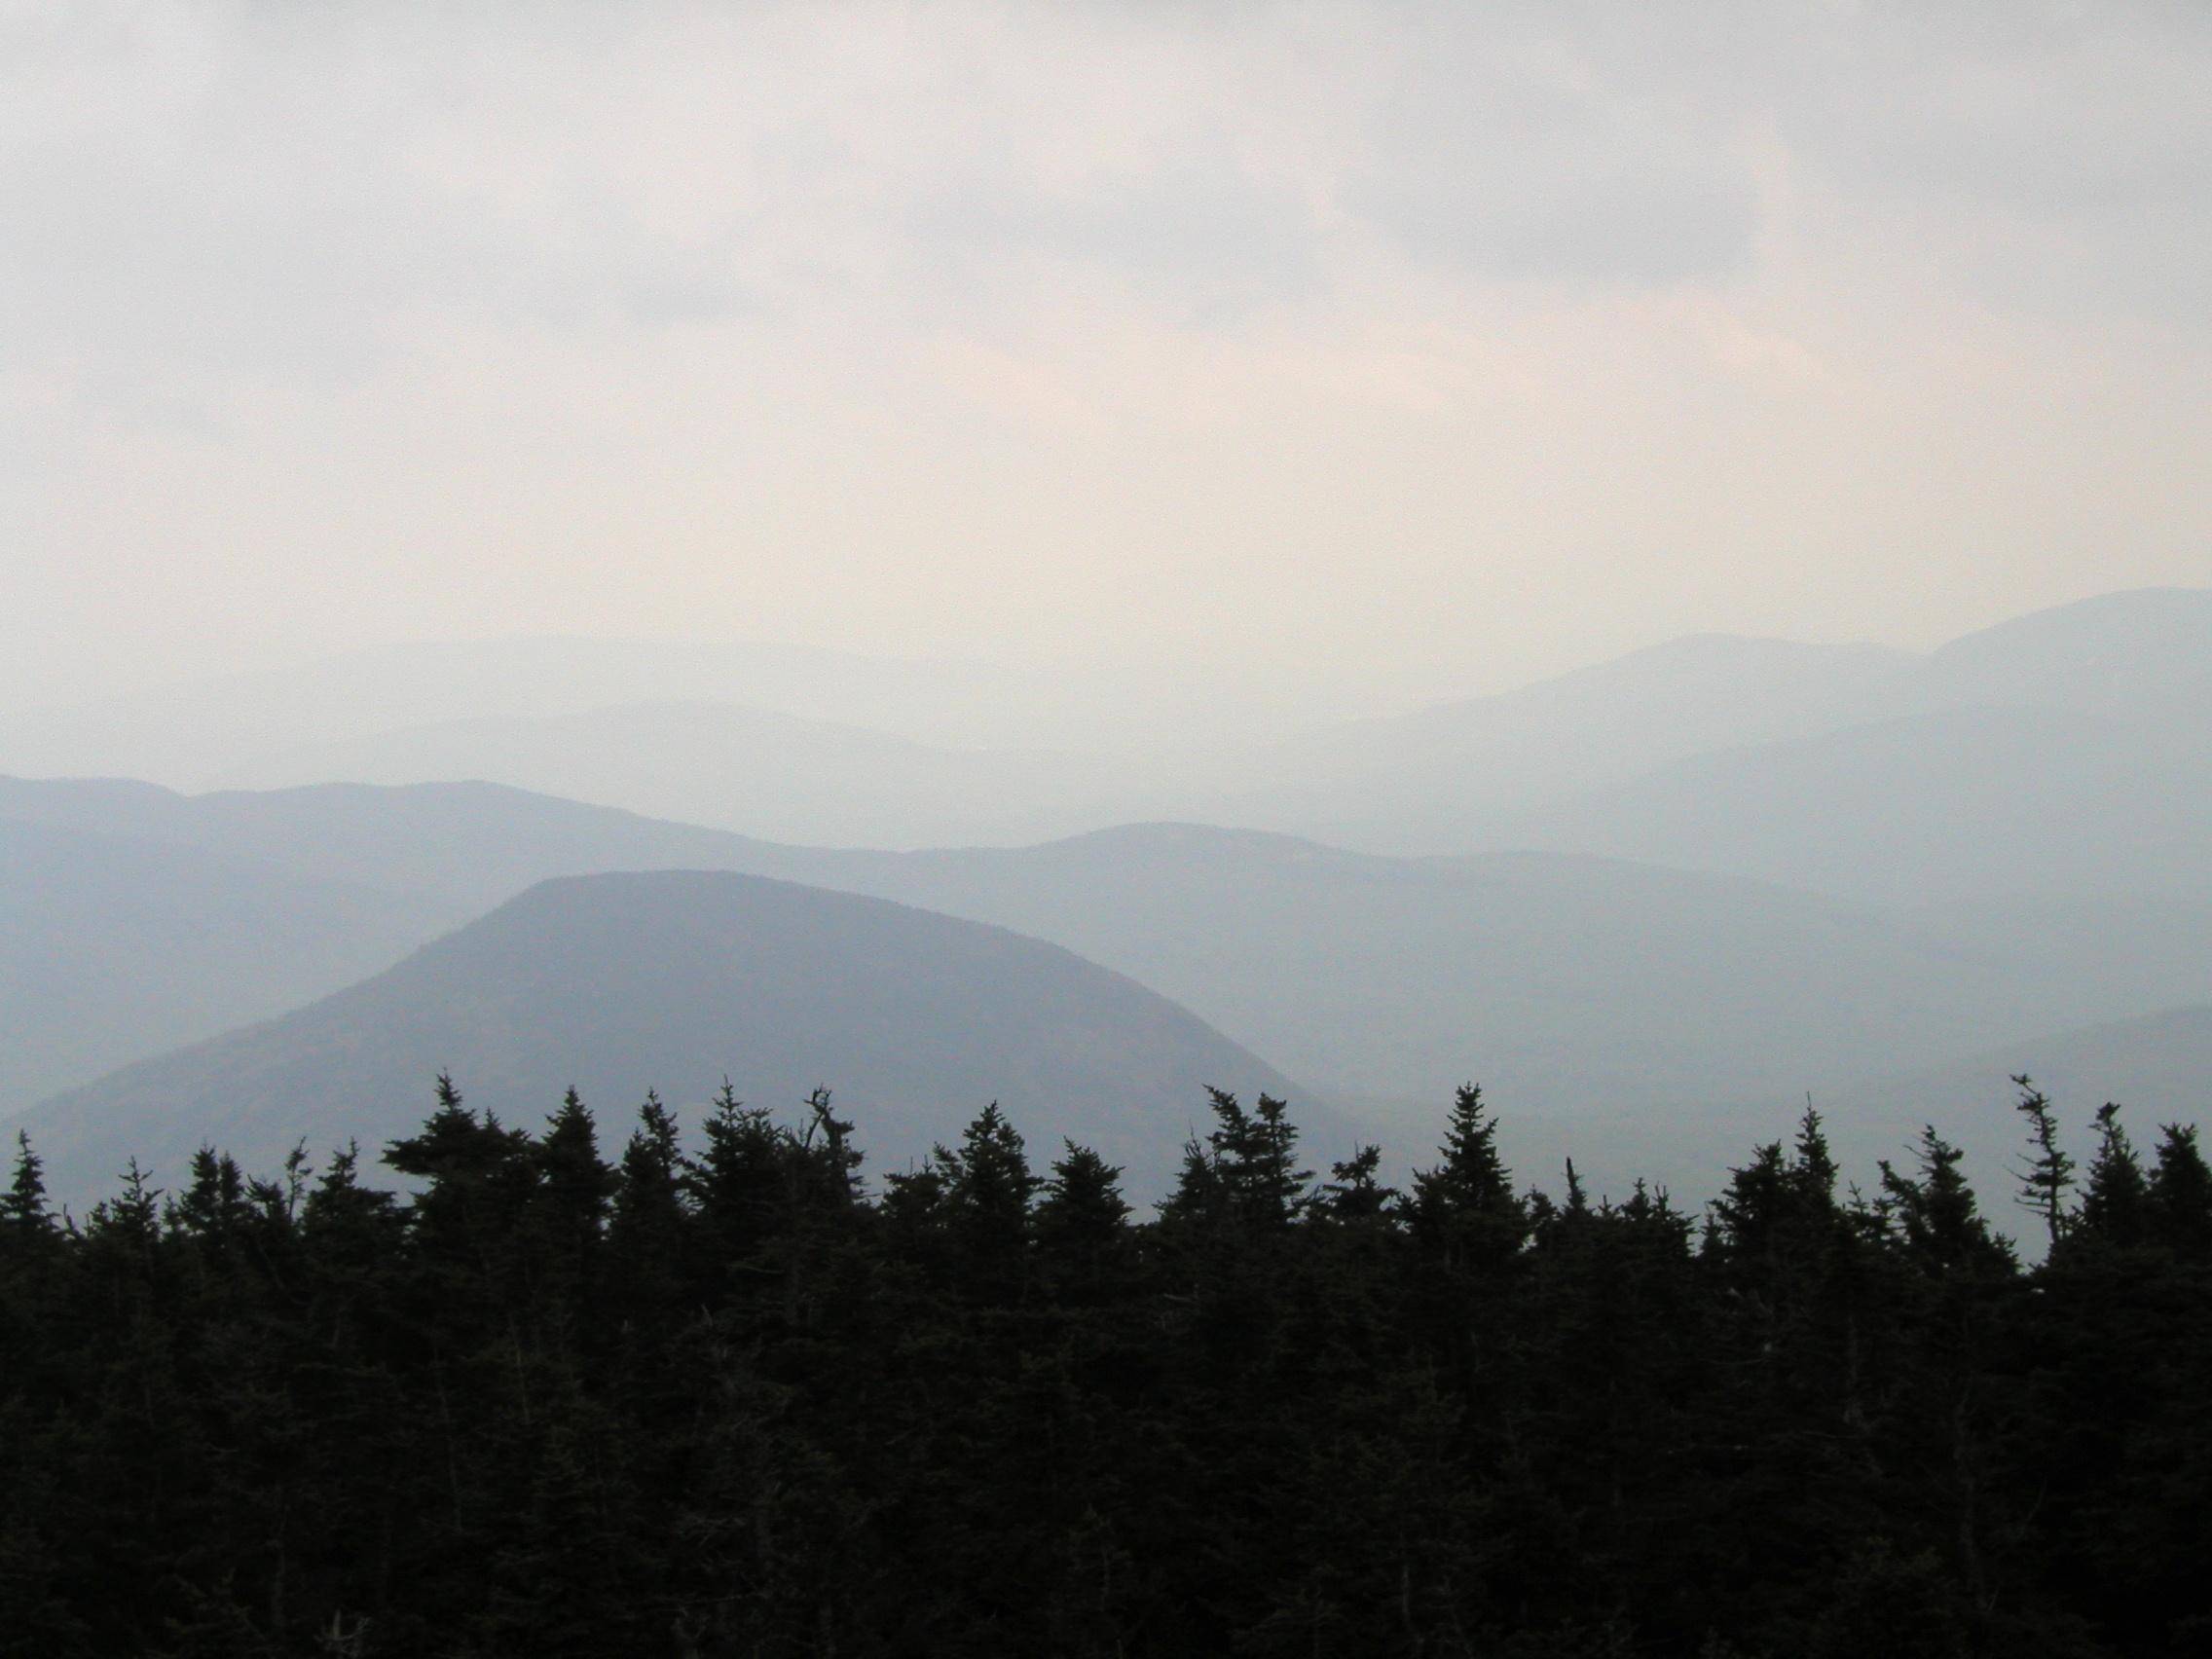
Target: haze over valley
{"x": 1693, "y": 885}
{"x": 1358, "y": 830}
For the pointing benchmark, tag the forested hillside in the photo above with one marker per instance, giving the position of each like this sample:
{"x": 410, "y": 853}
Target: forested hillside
{"x": 556, "y": 1402}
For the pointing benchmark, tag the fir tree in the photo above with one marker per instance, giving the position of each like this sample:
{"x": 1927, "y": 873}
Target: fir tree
{"x": 1354, "y": 1193}
{"x": 2116, "y": 1198}
{"x": 24, "y": 1213}
{"x": 1081, "y": 1218}
{"x": 1466, "y": 1208}
{"x": 2181, "y": 1194}
{"x": 1937, "y": 1219}
{"x": 1252, "y": 1157}
{"x": 2050, "y": 1175}
{"x": 988, "y": 1197}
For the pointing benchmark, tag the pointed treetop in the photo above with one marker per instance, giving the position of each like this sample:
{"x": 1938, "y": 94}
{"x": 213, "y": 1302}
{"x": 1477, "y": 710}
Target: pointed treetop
{"x": 22, "y": 1209}
{"x": 2049, "y": 1174}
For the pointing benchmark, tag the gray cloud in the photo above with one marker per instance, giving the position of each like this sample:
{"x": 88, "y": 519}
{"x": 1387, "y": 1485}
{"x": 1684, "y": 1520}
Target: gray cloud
{"x": 1417, "y": 309}
{"x": 1198, "y": 240}
{"x": 1516, "y": 148}
{"x": 242, "y": 188}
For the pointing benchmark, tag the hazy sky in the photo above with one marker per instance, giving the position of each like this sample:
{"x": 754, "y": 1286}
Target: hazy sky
{"x": 1408, "y": 347}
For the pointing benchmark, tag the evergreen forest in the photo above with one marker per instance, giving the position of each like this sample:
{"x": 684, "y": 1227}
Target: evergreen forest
{"x": 713, "y": 1393}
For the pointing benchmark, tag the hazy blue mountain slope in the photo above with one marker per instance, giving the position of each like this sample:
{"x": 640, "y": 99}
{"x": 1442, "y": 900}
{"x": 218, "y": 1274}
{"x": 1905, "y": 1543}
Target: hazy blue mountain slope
{"x": 2159, "y": 1067}
{"x": 1571, "y": 984}
{"x": 1964, "y": 805}
{"x": 2151, "y": 648}
{"x": 768, "y": 774}
{"x": 463, "y": 846}
{"x": 1575, "y": 763}
{"x": 1566, "y": 981}
{"x": 620, "y": 984}
{"x": 1412, "y": 780}
{"x": 193, "y": 736}
{"x": 816, "y": 749}
{"x": 112, "y": 948}
{"x": 2139, "y": 954}
{"x": 190, "y": 734}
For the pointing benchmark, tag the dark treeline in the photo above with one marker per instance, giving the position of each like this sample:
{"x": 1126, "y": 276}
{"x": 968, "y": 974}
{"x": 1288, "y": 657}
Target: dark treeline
{"x": 731, "y": 1402}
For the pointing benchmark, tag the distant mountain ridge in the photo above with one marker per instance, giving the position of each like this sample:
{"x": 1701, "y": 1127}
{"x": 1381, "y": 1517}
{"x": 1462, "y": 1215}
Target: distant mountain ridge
{"x": 1539, "y": 767}
{"x": 1580, "y": 730}
{"x": 620, "y": 984}
{"x": 2156, "y": 1066}
{"x": 848, "y": 751}
{"x": 778, "y": 776}
{"x": 114, "y": 947}
{"x": 2021, "y": 841}
{"x": 1571, "y": 985}
{"x": 1961, "y": 804}
{"x": 199, "y": 735}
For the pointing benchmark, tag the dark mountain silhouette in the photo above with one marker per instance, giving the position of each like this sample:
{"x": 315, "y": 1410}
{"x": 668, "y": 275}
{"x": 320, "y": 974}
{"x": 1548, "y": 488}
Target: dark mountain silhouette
{"x": 620, "y": 984}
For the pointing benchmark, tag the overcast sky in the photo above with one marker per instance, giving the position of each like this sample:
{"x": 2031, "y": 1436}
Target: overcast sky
{"x": 1416, "y": 349}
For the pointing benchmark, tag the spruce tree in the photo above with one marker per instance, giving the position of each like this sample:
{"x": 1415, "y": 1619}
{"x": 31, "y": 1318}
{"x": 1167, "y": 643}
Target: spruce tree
{"x": 2049, "y": 1174}
{"x": 2181, "y": 1194}
{"x": 2116, "y": 1197}
{"x": 1081, "y": 1218}
{"x": 1464, "y": 1208}
{"x": 575, "y": 1189}
{"x": 989, "y": 1196}
{"x": 738, "y": 1179}
{"x": 23, "y": 1213}
{"x": 649, "y": 1231}
{"x": 1249, "y": 1166}
{"x": 1354, "y": 1193}
{"x": 1937, "y": 1219}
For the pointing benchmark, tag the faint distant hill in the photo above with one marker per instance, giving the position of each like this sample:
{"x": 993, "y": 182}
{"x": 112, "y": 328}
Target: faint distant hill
{"x": 193, "y": 733}
{"x": 620, "y": 984}
{"x": 199, "y": 735}
{"x": 1579, "y": 989}
{"x": 1571, "y": 984}
{"x": 768, "y": 774}
{"x": 1419, "y": 781}
{"x": 113, "y": 947}
{"x": 1837, "y": 765}
{"x": 2146, "y": 647}
{"x": 464, "y": 847}
{"x": 2158, "y": 1066}
{"x": 1862, "y": 771}
{"x": 1965, "y": 803}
